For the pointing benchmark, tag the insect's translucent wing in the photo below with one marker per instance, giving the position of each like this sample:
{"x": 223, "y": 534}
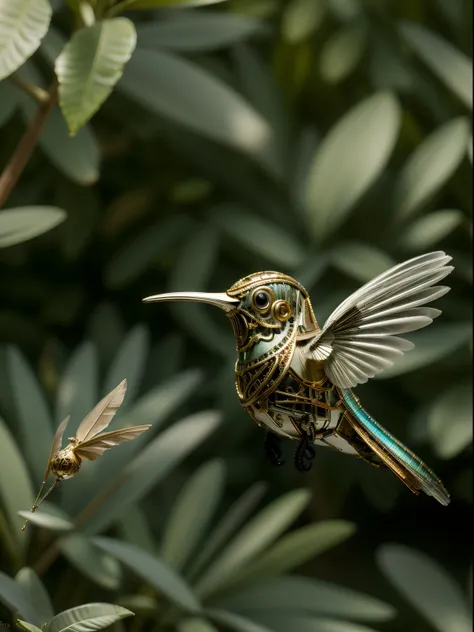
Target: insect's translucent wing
{"x": 360, "y": 338}
{"x": 101, "y": 416}
{"x": 96, "y": 446}
{"x": 57, "y": 443}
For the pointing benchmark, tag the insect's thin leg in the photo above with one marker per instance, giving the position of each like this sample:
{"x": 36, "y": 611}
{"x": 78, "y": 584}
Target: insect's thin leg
{"x": 36, "y": 503}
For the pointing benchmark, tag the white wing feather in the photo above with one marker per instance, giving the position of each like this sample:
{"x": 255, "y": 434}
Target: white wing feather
{"x": 359, "y": 339}
{"x": 101, "y": 416}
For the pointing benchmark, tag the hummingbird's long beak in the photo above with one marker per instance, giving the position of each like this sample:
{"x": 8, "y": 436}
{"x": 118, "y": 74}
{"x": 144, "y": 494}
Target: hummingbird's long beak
{"x": 221, "y": 299}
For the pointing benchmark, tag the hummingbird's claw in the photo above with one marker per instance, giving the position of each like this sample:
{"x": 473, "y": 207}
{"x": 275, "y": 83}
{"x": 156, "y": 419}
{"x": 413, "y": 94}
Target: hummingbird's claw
{"x": 304, "y": 454}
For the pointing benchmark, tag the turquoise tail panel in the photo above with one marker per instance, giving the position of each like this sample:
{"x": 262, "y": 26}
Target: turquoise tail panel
{"x": 428, "y": 480}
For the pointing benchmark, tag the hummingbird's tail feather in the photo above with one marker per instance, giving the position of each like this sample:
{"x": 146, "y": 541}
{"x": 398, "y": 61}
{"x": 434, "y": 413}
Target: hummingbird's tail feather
{"x": 411, "y": 470}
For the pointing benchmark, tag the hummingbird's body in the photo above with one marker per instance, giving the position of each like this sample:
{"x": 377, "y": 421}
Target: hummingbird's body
{"x": 295, "y": 379}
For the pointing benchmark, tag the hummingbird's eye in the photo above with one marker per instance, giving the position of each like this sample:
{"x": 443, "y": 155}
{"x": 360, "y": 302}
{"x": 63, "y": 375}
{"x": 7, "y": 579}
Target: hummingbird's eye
{"x": 262, "y": 299}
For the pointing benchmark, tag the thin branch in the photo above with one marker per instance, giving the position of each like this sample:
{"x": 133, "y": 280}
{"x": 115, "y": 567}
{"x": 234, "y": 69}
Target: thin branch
{"x": 38, "y": 94}
{"x": 22, "y": 153}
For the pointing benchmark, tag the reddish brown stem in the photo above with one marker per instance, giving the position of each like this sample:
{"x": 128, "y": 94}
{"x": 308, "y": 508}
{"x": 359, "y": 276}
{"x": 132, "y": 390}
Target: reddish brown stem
{"x": 22, "y": 153}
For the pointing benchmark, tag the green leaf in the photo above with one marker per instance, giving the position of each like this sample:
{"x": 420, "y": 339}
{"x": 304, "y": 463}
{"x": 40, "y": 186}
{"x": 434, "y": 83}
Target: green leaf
{"x": 23, "y": 24}
{"x": 156, "y": 460}
{"x": 194, "y": 32}
{"x": 134, "y": 5}
{"x": 17, "y": 495}
{"x": 450, "y": 421}
{"x": 129, "y": 363}
{"x": 195, "y": 505}
{"x": 36, "y": 593}
{"x": 259, "y": 533}
{"x": 430, "y": 167}
{"x": 431, "y": 346}
{"x": 77, "y": 158}
{"x": 295, "y": 549}
{"x": 24, "y": 223}
{"x": 338, "y": 176}
{"x": 235, "y": 622}
{"x": 282, "y": 622}
{"x": 130, "y": 261}
{"x": 427, "y": 587}
{"x": 32, "y": 413}
{"x": 13, "y": 597}
{"x": 360, "y": 261}
{"x": 90, "y": 65}
{"x": 305, "y": 594}
{"x": 301, "y": 18}
{"x": 107, "y": 330}
{"x": 135, "y": 529}
{"x": 195, "y": 625}
{"x": 228, "y": 525}
{"x": 342, "y": 53}
{"x": 153, "y": 571}
{"x": 29, "y": 627}
{"x": 49, "y": 517}
{"x": 156, "y": 79}
{"x": 99, "y": 567}
{"x": 260, "y": 236}
{"x": 77, "y": 390}
{"x": 89, "y": 617}
{"x": 428, "y": 230}
{"x": 447, "y": 62}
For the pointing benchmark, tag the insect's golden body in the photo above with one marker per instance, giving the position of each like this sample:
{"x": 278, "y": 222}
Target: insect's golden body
{"x": 66, "y": 463}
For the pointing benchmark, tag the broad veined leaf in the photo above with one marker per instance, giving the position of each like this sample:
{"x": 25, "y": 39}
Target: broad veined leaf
{"x": 196, "y": 625}
{"x": 305, "y": 594}
{"x": 427, "y": 587}
{"x": 178, "y": 90}
{"x": 156, "y": 460}
{"x": 99, "y": 567}
{"x": 235, "y": 622}
{"x": 342, "y": 52}
{"x": 348, "y": 161}
{"x": 90, "y": 65}
{"x": 36, "y": 594}
{"x": 129, "y": 363}
{"x": 87, "y": 618}
{"x": 23, "y": 24}
{"x": 16, "y": 491}
{"x": 428, "y": 230}
{"x": 450, "y": 421}
{"x": 430, "y": 167}
{"x": 260, "y": 236}
{"x": 360, "y": 261}
{"x": 49, "y": 517}
{"x": 228, "y": 525}
{"x": 152, "y": 570}
{"x": 301, "y": 18}
{"x": 296, "y": 548}
{"x": 192, "y": 31}
{"x": 195, "y": 505}
{"x": 24, "y": 223}
{"x": 452, "y": 66}
{"x": 259, "y": 533}
{"x": 32, "y": 413}
{"x": 13, "y": 597}
{"x": 431, "y": 346}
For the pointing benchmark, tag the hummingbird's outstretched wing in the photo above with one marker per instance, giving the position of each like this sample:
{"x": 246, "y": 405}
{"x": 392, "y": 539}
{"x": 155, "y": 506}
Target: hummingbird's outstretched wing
{"x": 57, "y": 443}
{"x": 359, "y": 339}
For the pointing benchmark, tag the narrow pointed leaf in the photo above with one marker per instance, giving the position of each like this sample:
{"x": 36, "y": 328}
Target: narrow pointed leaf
{"x": 341, "y": 53}
{"x": 430, "y": 167}
{"x": 430, "y": 229}
{"x": 129, "y": 363}
{"x": 36, "y": 593}
{"x": 236, "y": 622}
{"x": 23, "y": 24}
{"x": 194, "y": 506}
{"x": 339, "y": 176}
{"x": 13, "y": 597}
{"x": 24, "y": 223}
{"x": 427, "y": 587}
{"x": 135, "y": 529}
{"x": 90, "y": 65}
{"x": 303, "y": 623}
{"x": 52, "y": 520}
{"x": 360, "y": 261}
{"x": 301, "y": 18}
{"x": 152, "y": 570}
{"x": 89, "y": 617}
{"x": 28, "y": 627}
{"x": 452, "y": 66}
{"x": 450, "y": 421}
{"x": 100, "y": 568}
{"x": 259, "y": 533}
{"x": 195, "y": 625}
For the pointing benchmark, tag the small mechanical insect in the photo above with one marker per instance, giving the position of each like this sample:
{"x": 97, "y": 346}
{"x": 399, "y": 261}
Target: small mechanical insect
{"x": 295, "y": 379}
{"x": 88, "y": 444}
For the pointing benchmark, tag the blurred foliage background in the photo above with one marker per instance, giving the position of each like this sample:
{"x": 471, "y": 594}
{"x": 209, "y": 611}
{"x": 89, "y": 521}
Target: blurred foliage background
{"x": 328, "y": 139}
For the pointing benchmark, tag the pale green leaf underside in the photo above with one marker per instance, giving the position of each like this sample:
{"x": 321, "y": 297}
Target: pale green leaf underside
{"x": 86, "y": 618}
{"x": 90, "y": 65}
{"x": 24, "y": 223}
{"x": 23, "y": 24}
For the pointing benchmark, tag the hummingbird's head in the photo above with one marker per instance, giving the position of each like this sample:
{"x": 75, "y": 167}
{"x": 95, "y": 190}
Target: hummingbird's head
{"x": 265, "y": 308}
